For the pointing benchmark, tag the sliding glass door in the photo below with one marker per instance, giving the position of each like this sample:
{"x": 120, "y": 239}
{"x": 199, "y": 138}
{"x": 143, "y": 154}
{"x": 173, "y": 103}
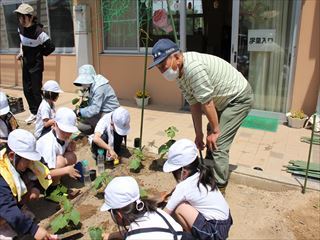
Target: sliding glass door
{"x": 262, "y": 49}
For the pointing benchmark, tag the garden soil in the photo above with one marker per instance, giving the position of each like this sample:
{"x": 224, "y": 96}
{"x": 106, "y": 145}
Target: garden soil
{"x": 257, "y": 214}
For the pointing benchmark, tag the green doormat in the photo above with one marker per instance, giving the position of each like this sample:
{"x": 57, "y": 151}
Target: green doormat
{"x": 260, "y": 123}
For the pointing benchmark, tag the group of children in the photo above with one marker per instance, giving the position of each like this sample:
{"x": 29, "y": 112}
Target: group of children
{"x": 52, "y": 148}
{"x": 196, "y": 208}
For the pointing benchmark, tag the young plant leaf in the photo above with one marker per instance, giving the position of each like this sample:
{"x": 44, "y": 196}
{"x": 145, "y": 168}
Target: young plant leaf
{"x": 163, "y": 149}
{"x": 135, "y": 164}
{"x": 75, "y": 101}
{"x": 95, "y": 233}
{"x": 74, "y": 217}
{"x": 58, "y": 223}
{"x": 67, "y": 206}
{"x": 143, "y": 193}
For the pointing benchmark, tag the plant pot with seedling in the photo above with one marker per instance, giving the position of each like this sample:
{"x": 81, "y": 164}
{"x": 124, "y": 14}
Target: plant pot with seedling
{"x": 296, "y": 119}
{"x": 142, "y": 98}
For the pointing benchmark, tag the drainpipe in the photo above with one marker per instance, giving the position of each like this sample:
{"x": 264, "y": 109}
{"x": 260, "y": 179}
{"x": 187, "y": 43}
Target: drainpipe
{"x": 183, "y": 38}
{"x": 183, "y": 19}
{"x": 82, "y": 34}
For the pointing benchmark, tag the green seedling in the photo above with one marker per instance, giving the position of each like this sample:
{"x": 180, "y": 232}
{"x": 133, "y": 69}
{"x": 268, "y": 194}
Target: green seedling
{"x": 102, "y": 180}
{"x": 137, "y": 158}
{"x": 164, "y": 148}
{"x": 68, "y": 219}
{"x": 95, "y": 233}
{"x": 82, "y": 100}
{"x": 143, "y": 193}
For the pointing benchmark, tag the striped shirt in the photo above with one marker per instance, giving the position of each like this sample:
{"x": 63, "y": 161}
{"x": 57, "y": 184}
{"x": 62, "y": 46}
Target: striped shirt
{"x": 207, "y": 77}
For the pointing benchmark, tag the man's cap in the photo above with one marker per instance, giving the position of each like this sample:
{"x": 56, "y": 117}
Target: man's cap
{"x": 4, "y": 105}
{"x": 120, "y": 192}
{"x": 161, "y": 50}
{"x": 24, "y": 9}
{"x": 52, "y": 86}
{"x": 23, "y": 143}
{"x": 121, "y": 121}
{"x": 181, "y": 153}
{"x": 66, "y": 120}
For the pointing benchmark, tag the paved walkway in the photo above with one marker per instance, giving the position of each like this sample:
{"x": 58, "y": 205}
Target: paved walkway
{"x": 251, "y": 148}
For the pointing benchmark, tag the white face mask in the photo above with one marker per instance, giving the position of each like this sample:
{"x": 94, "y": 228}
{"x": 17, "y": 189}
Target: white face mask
{"x": 171, "y": 74}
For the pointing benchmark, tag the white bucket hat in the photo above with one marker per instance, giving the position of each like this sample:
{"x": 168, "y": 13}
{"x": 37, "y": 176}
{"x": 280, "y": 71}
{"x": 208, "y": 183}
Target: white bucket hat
{"x": 121, "y": 121}
{"x": 120, "y": 192}
{"x": 23, "y": 143}
{"x": 24, "y": 9}
{"x": 181, "y": 153}
{"x": 87, "y": 69}
{"x": 4, "y": 105}
{"x": 84, "y": 79}
{"x": 86, "y": 75}
{"x": 66, "y": 120}
{"x": 52, "y": 86}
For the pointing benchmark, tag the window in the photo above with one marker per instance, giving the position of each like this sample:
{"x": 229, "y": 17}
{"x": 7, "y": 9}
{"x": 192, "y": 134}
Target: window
{"x": 54, "y": 15}
{"x": 120, "y": 25}
{"x": 125, "y": 20}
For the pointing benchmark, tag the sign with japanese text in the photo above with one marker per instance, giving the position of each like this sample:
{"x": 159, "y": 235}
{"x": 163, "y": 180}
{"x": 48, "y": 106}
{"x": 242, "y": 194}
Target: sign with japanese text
{"x": 261, "y": 40}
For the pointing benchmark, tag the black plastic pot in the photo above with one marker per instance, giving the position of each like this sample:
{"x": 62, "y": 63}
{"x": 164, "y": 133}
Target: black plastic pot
{"x": 137, "y": 142}
{"x": 93, "y": 174}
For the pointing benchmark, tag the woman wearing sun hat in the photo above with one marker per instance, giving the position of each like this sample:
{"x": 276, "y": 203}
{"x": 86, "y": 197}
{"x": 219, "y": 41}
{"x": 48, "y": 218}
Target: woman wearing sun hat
{"x": 35, "y": 44}
{"x": 138, "y": 218}
{"x": 196, "y": 201}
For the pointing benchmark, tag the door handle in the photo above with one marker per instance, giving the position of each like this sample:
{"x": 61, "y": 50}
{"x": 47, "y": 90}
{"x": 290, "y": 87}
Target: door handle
{"x": 235, "y": 56}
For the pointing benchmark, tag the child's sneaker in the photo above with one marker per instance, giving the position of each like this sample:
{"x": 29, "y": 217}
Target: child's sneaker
{"x": 30, "y": 119}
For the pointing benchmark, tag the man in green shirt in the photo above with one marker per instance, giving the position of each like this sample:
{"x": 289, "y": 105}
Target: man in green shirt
{"x": 213, "y": 86}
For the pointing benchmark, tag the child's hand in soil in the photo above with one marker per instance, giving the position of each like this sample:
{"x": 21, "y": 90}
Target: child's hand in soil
{"x": 112, "y": 154}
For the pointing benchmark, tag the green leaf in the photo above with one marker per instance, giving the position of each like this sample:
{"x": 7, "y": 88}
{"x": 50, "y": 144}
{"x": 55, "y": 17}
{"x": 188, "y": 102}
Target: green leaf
{"x": 143, "y": 193}
{"x": 102, "y": 180}
{"x": 98, "y": 182}
{"x": 67, "y": 206}
{"x": 171, "y": 132}
{"x": 95, "y": 233}
{"x": 135, "y": 164}
{"x": 74, "y": 217}
{"x": 58, "y": 223}
{"x": 163, "y": 149}
{"x": 75, "y": 101}
{"x": 170, "y": 142}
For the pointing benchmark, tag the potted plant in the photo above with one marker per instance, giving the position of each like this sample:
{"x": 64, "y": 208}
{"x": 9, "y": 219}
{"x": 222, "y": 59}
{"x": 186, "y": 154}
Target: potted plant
{"x": 296, "y": 119}
{"x": 140, "y": 95}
